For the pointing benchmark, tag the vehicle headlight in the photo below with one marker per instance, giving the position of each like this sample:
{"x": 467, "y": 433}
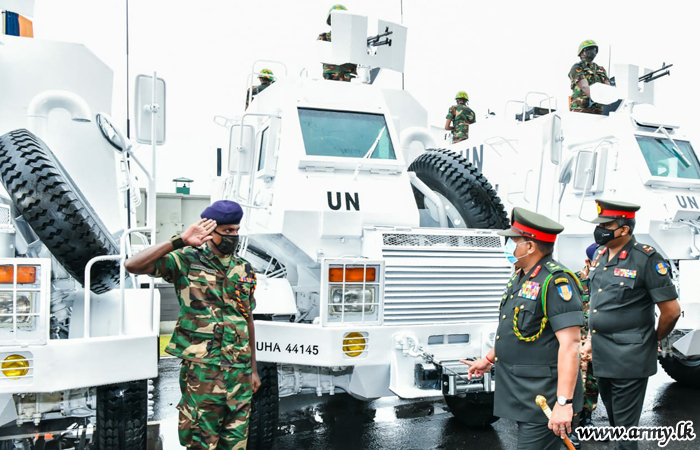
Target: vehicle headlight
{"x": 15, "y": 366}
{"x": 24, "y": 306}
{"x": 353, "y": 298}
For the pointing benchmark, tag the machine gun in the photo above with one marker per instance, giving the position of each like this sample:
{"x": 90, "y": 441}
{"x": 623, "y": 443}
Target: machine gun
{"x": 376, "y": 41}
{"x": 651, "y": 76}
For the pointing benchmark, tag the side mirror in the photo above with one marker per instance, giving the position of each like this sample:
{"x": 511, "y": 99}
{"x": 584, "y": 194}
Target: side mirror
{"x": 241, "y": 151}
{"x": 145, "y": 107}
{"x": 112, "y": 133}
{"x": 566, "y": 171}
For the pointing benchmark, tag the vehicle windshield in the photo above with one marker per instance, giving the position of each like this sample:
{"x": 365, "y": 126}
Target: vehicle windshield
{"x": 345, "y": 134}
{"x": 667, "y": 160}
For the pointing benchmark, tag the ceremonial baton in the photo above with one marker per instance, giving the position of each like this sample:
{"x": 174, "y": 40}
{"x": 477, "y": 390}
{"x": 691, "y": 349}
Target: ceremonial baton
{"x": 540, "y": 400}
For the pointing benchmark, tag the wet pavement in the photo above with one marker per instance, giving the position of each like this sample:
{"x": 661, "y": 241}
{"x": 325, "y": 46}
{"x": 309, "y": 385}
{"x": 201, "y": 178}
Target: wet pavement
{"x": 341, "y": 422}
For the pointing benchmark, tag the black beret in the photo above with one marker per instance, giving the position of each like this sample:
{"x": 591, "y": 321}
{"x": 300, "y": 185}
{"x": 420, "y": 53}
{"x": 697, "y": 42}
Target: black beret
{"x": 224, "y": 212}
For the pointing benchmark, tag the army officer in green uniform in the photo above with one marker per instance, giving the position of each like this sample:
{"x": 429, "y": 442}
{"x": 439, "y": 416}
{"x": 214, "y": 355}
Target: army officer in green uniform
{"x": 626, "y": 280}
{"x": 538, "y": 336}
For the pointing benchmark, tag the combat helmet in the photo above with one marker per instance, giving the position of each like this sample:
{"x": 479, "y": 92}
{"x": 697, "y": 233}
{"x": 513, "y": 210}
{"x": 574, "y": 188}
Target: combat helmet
{"x": 585, "y": 44}
{"x": 334, "y": 8}
{"x": 266, "y": 74}
{"x": 462, "y": 94}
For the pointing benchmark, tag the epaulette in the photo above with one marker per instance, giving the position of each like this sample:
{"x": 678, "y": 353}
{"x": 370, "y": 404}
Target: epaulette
{"x": 554, "y": 267}
{"x": 645, "y": 249}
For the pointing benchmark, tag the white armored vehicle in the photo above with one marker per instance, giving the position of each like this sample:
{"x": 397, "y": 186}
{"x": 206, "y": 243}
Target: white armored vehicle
{"x": 78, "y": 338}
{"x": 378, "y": 271}
{"x": 558, "y": 162}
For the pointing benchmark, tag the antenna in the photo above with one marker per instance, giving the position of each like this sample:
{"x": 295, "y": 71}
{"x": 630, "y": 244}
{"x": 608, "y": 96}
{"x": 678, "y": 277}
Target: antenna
{"x": 403, "y": 73}
{"x": 609, "y": 60}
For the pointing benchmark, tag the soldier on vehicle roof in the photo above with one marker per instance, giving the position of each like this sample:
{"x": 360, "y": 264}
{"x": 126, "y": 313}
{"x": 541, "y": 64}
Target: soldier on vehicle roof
{"x": 538, "y": 336}
{"x": 337, "y": 72}
{"x": 459, "y": 117}
{"x": 214, "y": 335}
{"x": 583, "y": 74}
{"x": 266, "y": 79}
{"x": 626, "y": 280}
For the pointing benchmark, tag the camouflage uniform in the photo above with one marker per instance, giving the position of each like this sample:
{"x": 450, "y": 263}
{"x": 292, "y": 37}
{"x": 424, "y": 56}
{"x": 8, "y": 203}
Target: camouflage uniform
{"x": 594, "y": 74}
{"x": 461, "y": 116}
{"x": 590, "y": 394}
{"x": 211, "y": 337}
{"x": 337, "y": 72}
{"x": 256, "y": 90}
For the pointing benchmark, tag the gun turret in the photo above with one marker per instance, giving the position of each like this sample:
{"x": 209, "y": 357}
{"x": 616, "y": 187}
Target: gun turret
{"x": 376, "y": 41}
{"x": 651, "y": 76}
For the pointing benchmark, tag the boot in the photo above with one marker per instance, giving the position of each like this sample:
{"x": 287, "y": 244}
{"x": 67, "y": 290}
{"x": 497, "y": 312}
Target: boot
{"x": 585, "y": 418}
{"x": 573, "y": 437}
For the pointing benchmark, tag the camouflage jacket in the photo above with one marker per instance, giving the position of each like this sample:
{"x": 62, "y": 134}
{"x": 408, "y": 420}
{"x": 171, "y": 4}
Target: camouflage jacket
{"x": 594, "y": 74}
{"x": 586, "y": 301}
{"x": 214, "y": 304}
{"x": 337, "y": 72}
{"x": 324, "y": 37}
{"x": 256, "y": 90}
{"x": 461, "y": 116}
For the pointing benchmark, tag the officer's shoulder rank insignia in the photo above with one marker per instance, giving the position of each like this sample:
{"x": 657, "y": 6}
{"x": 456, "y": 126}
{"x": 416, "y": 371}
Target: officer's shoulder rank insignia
{"x": 529, "y": 290}
{"x": 662, "y": 268}
{"x": 625, "y": 273}
{"x": 564, "y": 291}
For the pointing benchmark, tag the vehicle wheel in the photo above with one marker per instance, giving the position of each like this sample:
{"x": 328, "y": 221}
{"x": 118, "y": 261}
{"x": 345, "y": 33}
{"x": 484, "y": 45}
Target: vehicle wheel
{"x": 54, "y": 207}
{"x": 684, "y": 371}
{"x": 474, "y": 410}
{"x": 122, "y": 415}
{"x": 265, "y": 411}
{"x": 470, "y": 200}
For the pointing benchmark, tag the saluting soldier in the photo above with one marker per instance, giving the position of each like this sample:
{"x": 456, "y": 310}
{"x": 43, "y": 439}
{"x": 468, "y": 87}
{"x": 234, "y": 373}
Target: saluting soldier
{"x": 214, "y": 335}
{"x": 538, "y": 336}
{"x": 626, "y": 280}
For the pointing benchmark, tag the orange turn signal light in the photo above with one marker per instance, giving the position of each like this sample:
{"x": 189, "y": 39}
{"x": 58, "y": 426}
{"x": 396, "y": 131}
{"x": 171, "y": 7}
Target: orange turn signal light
{"x": 25, "y": 274}
{"x": 352, "y": 274}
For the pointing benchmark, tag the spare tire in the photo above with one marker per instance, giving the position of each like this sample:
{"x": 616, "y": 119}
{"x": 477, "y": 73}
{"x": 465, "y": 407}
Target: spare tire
{"x": 52, "y": 205}
{"x": 470, "y": 200}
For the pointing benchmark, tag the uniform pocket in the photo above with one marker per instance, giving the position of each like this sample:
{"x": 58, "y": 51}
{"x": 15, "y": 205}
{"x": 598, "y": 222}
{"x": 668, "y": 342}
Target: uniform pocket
{"x": 236, "y": 348}
{"x": 529, "y": 371}
{"x": 528, "y": 321}
{"x": 627, "y": 338}
{"x": 623, "y": 285}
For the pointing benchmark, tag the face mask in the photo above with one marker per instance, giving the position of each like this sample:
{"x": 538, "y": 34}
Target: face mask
{"x": 590, "y": 53}
{"x": 602, "y": 235}
{"x": 509, "y": 250}
{"x": 228, "y": 243}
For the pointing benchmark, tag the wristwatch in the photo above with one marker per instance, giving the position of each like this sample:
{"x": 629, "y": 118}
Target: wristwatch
{"x": 563, "y": 401}
{"x": 177, "y": 241}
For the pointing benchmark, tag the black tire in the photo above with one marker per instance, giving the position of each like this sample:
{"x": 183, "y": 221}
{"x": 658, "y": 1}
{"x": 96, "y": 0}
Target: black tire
{"x": 52, "y": 205}
{"x": 122, "y": 416}
{"x": 474, "y": 410}
{"x": 463, "y": 185}
{"x": 685, "y": 372}
{"x": 264, "y": 414}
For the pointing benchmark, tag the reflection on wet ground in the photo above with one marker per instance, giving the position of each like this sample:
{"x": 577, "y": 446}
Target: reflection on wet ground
{"x": 341, "y": 422}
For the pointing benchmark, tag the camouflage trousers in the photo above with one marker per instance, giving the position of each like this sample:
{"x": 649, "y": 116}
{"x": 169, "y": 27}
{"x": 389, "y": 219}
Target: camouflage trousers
{"x": 456, "y": 139}
{"x": 590, "y": 392}
{"x": 215, "y": 406}
{"x": 598, "y": 111}
{"x": 339, "y": 72}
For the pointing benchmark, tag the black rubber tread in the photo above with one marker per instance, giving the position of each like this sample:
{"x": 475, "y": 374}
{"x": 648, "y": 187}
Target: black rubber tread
{"x": 122, "y": 416}
{"x": 264, "y": 415}
{"x": 686, "y": 373}
{"x": 474, "y": 410}
{"x": 463, "y": 185}
{"x": 47, "y": 198}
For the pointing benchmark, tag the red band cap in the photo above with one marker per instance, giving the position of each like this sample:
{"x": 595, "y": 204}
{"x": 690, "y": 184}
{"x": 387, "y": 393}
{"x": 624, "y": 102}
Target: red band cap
{"x": 613, "y": 214}
{"x": 526, "y": 231}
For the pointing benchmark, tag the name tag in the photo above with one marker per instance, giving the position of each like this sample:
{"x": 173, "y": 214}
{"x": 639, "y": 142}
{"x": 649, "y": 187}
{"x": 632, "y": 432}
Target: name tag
{"x": 626, "y": 273}
{"x": 202, "y": 268}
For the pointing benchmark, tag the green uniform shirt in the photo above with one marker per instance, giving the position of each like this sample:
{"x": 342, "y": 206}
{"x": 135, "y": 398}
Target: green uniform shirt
{"x": 524, "y": 369}
{"x": 594, "y": 74}
{"x": 256, "y": 90}
{"x": 461, "y": 116}
{"x": 623, "y": 294}
{"x": 214, "y": 303}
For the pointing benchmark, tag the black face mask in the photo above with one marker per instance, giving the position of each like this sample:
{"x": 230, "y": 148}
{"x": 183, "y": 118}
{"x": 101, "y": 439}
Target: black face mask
{"x": 228, "y": 243}
{"x": 602, "y": 235}
{"x": 591, "y": 53}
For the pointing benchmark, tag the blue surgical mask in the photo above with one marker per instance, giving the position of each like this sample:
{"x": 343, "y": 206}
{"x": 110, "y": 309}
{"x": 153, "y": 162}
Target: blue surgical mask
{"x": 509, "y": 250}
